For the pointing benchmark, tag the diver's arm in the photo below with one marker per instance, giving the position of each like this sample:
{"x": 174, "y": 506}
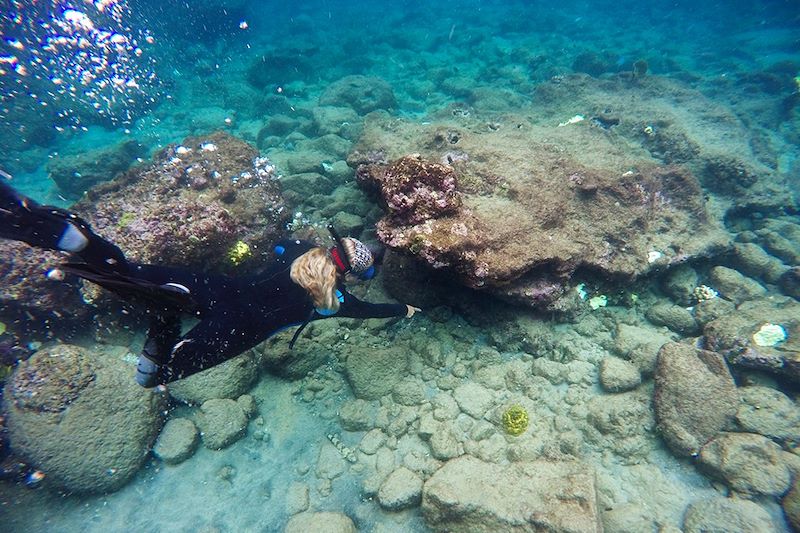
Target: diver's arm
{"x": 352, "y": 307}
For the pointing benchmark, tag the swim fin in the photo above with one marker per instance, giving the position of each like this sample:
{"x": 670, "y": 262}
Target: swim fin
{"x": 22, "y": 219}
{"x": 161, "y": 298}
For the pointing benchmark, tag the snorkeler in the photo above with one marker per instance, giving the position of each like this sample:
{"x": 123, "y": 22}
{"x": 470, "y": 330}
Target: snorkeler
{"x": 302, "y": 284}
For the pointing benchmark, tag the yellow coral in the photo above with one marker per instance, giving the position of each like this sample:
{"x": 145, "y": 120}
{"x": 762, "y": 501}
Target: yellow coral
{"x": 515, "y": 420}
{"x": 239, "y": 252}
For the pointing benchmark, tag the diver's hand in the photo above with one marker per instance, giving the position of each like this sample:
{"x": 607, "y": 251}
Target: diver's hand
{"x": 411, "y": 310}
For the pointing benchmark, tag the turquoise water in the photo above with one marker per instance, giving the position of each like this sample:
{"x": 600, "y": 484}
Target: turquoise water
{"x": 79, "y": 79}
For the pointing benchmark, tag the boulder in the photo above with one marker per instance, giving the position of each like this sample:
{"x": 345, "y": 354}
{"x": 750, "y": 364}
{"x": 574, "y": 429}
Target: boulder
{"x": 230, "y": 379}
{"x": 748, "y": 463}
{"x": 791, "y": 505}
{"x": 80, "y": 417}
{"x": 619, "y": 375}
{"x": 789, "y": 282}
{"x": 726, "y": 514}
{"x": 212, "y": 190}
{"x": 694, "y": 398}
{"x": 675, "y": 317}
{"x": 177, "y": 441}
{"x": 734, "y": 286}
{"x": 401, "y": 490}
{"x": 732, "y": 336}
{"x": 768, "y": 412}
{"x": 461, "y": 203}
{"x": 361, "y": 93}
{"x": 467, "y": 494}
{"x": 474, "y": 399}
{"x": 222, "y": 422}
{"x": 679, "y": 283}
{"x": 320, "y": 523}
{"x": 374, "y": 373}
{"x": 296, "y": 498}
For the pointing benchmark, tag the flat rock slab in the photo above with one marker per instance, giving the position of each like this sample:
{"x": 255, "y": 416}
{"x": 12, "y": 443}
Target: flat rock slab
{"x": 468, "y": 494}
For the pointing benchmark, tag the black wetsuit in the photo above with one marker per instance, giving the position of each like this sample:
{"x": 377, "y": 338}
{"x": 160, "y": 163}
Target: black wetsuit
{"x": 235, "y": 313}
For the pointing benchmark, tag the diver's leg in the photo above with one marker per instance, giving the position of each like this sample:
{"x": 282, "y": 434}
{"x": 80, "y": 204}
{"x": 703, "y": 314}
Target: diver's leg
{"x": 162, "y": 335}
{"x": 52, "y": 228}
{"x": 209, "y": 343}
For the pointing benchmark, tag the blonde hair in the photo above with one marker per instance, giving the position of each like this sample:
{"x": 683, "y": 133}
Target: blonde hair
{"x": 316, "y": 273}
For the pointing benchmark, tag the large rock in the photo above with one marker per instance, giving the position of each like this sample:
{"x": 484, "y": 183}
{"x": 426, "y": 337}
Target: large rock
{"x": 402, "y": 489}
{"x": 373, "y": 373}
{"x": 467, "y": 494}
{"x": 791, "y": 505}
{"x": 541, "y": 202}
{"x": 81, "y": 418}
{"x": 769, "y": 412}
{"x": 212, "y": 191}
{"x": 177, "y": 441}
{"x": 222, "y": 422}
{"x": 732, "y": 336}
{"x": 748, "y": 463}
{"x": 726, "y": 514}
{"x": 695, "y": 396}
{"x": 230, "y": 379}
{"x": 361, "y": 93}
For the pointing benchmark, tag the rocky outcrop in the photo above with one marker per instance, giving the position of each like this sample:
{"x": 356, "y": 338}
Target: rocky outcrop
{"x": 80, "y": 418}
{"x": 521, "y": 222}
{"x": 212, "y": 191}
{"x": 467, "y": 494}
{"x": 695, "y": 396}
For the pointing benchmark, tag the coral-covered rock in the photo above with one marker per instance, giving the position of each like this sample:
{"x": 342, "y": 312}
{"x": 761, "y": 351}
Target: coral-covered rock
{"x": 27, "y": 296}
{"x": 505, "y": 210}
{"x": 695, "y": 396}
{"x": 415, "y": 190}
{"x": 191, "y": 204}
{"x": 80, "y": 418}
{"x": 732, "y": 336}
{"x": 467, "y": 494}
{"x": 75, "y": 174}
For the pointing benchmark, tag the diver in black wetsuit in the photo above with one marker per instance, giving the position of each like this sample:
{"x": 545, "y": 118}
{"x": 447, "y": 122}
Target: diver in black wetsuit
{"x": 304, "y": 283}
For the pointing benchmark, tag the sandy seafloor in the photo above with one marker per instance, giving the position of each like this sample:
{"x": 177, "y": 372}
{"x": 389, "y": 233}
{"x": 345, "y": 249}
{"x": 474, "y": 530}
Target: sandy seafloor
{"x": 201, "y": 59}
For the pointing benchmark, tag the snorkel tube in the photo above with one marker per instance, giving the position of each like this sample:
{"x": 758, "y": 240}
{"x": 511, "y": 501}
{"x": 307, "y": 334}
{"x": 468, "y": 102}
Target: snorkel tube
{"x": 338, "y": 252}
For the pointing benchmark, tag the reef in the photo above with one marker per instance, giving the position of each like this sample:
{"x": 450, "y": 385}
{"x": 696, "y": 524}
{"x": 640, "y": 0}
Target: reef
{"x": 528, "y": 206}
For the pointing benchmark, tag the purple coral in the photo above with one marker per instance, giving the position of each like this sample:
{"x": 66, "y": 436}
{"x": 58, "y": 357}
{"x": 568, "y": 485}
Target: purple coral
{"x": 416, "y": 190}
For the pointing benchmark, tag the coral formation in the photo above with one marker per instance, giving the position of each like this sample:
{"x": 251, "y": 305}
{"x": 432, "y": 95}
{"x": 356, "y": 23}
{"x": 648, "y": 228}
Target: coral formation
{"x": 515, "y": 420}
